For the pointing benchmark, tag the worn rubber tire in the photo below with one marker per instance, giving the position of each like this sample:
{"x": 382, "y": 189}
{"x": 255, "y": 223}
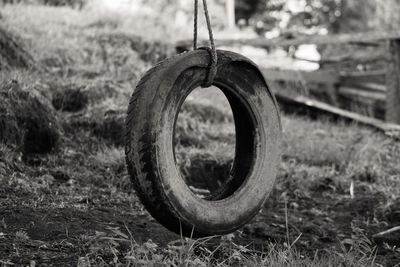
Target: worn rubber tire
{"x": 150, "y": 124}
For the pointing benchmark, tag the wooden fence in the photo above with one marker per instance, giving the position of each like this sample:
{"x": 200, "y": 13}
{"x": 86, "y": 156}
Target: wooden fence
{"x": 379, "y": 89}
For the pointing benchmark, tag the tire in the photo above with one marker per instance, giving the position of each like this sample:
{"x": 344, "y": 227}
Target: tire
{"x": 152, "y": 114}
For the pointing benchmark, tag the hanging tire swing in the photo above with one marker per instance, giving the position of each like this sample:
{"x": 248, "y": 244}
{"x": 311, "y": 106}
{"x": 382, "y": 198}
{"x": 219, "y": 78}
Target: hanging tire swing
{"x": 150, "y": 157}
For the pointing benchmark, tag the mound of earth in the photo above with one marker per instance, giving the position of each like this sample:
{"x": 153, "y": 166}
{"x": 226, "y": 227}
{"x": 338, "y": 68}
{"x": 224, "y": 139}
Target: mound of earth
{"x": 12, "y": 54}
{"x": 26, "y": 121}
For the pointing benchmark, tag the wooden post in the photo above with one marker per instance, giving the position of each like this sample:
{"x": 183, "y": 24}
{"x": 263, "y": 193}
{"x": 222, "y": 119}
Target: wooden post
{"x": 230, "y": 13}
{"x": 393, "y": 83}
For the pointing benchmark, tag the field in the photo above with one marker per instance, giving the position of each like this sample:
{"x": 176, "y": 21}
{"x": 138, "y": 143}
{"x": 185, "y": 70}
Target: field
{"x": 338, "y": 185}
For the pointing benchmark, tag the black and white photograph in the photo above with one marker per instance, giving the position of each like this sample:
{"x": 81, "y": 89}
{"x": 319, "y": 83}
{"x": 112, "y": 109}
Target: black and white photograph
{"x": 259, "y": 133}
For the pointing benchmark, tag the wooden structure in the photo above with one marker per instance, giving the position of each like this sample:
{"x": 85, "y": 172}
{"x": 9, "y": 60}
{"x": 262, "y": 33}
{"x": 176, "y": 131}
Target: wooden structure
{"x": 292, "y": 39}
{"x": 379, "y": 89}
{"x": 230, "y": 13}
{"x": 393, "y": 83}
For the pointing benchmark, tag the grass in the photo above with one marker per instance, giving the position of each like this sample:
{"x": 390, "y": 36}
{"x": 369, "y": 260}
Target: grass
{"x": 355, "y": 152}
{"x": 337, "y": 184}
{"x": 192, "y": 253}
{"x": 225, "y": 252}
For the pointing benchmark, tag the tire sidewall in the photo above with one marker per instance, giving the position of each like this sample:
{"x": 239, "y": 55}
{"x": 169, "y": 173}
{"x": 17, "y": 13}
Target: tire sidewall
{"x": 226, "y": 215}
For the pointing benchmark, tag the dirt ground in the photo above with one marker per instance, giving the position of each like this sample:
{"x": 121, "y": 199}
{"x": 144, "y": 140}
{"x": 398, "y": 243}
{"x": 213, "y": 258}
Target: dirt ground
{"x": 62, "y": 207}
{"x": 52, "y": 231}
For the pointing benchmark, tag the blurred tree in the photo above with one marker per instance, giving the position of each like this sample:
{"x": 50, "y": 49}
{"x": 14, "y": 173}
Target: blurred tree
{"x": 368, "y": 15}
{"x": 318, "y": 13}
{"x": 338, "y": 15}
{"x": 355, "y": 16}
{"x": 387, "y": 15}
{"x": 245, "y": 9}
{"x": 258, "y": 13}
{"x": 334, "y": 15}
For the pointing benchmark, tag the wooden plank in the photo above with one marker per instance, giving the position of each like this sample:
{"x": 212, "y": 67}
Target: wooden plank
{"x": 359, "y": 58}
{"x": 230, "y": 13}
{"x": 367, "y": 77}
{"x": 319, "y": 76}
{"x": 317, "y": 108}
{"x": 372, "y": 87}
{"x": 295, "y": 40}
{"x": 393, "y": 83}
{"x": 358, "y": 93}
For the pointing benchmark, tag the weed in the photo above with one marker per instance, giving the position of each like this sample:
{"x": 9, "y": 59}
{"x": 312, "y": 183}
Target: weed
{"x": 21, "y": 235}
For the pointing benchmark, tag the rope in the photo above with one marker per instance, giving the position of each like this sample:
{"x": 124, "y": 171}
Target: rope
{"x": 196, "y": 11}
{"x": 212, "y": 68}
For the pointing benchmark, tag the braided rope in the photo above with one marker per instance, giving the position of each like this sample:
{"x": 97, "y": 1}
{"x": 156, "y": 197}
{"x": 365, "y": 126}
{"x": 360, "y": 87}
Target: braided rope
{"x": 196, "y": 11}
{"x": 212, "y": 69}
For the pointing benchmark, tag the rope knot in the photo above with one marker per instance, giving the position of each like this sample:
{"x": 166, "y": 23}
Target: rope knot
{"x": 212, "y": 67}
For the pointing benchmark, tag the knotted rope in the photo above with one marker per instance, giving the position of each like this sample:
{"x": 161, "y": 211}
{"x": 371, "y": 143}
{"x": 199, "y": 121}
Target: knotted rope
{"x": 212, "y": 68}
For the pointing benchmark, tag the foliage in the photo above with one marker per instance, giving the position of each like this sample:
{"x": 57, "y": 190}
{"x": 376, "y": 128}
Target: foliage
{"x": 334, "y": 15}
{"x": 245, "y": 9}
{"x": 322, "y": 13}
{"x": 387, "y": 15}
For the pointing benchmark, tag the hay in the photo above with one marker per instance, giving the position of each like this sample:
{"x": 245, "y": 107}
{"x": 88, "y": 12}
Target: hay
{"x": 25, "y": 121}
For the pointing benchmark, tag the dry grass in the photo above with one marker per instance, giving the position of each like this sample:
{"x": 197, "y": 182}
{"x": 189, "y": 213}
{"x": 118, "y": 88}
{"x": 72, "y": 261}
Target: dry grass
{"x": 188, "y": 252}
{"x": 26, "y": 120}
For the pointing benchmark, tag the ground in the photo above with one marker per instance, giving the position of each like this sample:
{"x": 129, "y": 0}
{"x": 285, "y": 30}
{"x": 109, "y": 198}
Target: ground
{"x": 338, "y": 183}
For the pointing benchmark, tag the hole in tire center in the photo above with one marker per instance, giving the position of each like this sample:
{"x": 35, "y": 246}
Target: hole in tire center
{"x": 204, "y": 141}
